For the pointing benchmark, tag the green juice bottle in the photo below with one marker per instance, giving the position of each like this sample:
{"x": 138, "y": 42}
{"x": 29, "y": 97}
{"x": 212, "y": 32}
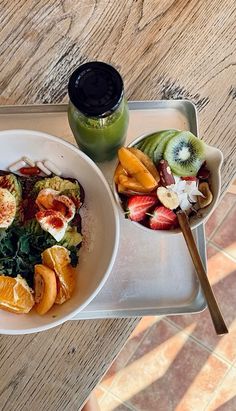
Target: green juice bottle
{"x": 98, "y": 112}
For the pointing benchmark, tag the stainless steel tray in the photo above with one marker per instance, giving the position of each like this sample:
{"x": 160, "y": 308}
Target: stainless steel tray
{"x": 153, "y": 273}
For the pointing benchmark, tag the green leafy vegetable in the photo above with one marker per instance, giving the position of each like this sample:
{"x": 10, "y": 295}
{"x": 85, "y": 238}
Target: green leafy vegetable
{"x": 21, "y": 248}
{"x": 22, "y": 244}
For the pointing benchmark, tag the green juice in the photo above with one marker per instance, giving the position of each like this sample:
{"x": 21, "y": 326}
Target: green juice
{"x": 100, "y": 137}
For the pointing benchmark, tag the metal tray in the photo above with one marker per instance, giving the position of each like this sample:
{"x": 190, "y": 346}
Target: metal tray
{"x": 152, "y": 274}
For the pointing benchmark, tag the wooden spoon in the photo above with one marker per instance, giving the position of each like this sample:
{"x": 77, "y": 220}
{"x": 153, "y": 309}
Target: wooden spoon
{"x": 214, "y": 309}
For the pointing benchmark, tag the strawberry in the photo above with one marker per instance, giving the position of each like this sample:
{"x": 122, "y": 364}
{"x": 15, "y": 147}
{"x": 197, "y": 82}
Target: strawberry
{"x": 189, "y": 178}
{"x": 138, "y": 205}
{"x": 162, "y": 219}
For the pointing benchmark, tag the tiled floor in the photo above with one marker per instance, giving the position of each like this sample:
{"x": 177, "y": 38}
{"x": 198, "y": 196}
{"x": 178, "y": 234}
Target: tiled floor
{"x": 177, "y": 363}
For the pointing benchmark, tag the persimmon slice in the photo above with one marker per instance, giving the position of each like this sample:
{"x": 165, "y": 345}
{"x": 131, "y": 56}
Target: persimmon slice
{"x": 58, "y": 259}
{"x": 119, "y": 171}
{"x": 135, "y": 168}
{"x": 132, "y": 184}
{"x": 45, "y": 287}
{"x": 147, "y": 162}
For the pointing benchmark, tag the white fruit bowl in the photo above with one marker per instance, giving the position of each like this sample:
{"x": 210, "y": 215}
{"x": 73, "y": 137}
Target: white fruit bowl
{"x": 214, "y": 160}
{"x": 100, "y": 224}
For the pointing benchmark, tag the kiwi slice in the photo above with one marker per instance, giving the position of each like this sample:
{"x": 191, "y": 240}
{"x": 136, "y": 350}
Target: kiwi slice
{"x": 147, "y": 144}
{"x": 164, "y": 138}
{"x": 140, "y": 144}
{"x": 185, "y": 154}
{"x": 150, "y": 145}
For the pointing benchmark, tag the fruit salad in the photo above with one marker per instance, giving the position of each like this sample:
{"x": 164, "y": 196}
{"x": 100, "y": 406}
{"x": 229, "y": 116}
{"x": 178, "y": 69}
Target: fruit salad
{"x": 163, "y": 173}
{"x": 40, "y": 235}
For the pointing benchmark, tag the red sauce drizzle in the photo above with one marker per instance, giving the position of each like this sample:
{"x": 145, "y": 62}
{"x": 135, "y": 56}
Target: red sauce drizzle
{"x": 58, "y": 206}
{"x": 56, "y": 222}
{"x": 4, "y": 182}
{"x": 53, "y": 220}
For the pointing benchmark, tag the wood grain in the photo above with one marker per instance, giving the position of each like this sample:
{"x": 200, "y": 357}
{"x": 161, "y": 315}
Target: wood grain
{"x": 168, "y": 49}
{"x": 164, "y": 49}
{"x": 57, "y": 369}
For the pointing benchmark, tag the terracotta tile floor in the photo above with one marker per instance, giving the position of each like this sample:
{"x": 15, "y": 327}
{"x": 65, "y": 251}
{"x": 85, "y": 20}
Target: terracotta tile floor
{"x": 177, "y": 363}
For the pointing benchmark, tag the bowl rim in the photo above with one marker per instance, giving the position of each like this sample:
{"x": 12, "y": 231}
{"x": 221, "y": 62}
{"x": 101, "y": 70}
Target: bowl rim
{"x": 193, "y": 225}
{"x": 94, "y": 166}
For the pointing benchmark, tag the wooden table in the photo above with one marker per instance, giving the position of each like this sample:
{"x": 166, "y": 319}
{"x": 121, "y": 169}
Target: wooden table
{"x": 164, "y": 49}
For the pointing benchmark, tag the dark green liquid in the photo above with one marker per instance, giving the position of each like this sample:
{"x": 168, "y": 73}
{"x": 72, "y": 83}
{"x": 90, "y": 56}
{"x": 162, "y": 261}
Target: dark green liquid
{"x": 100, "y": 138}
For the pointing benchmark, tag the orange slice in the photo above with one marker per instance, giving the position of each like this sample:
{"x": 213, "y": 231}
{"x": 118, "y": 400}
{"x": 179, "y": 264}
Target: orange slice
{"x": 57, "y": 258}
{"x": 45, "y": 287}
{"x": 15, "y": 295}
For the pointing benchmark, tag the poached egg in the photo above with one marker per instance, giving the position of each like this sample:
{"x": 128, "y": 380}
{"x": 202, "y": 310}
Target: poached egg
{"x": 7, "y": 208}
{"x": 55, "y": 212}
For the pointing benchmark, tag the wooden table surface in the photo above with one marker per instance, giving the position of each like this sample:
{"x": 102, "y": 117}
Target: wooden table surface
{"x": 163, "y": 49}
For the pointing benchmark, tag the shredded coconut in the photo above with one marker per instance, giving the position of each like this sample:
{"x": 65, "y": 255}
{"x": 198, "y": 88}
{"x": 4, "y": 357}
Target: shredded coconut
{"x": 187, "y": 192}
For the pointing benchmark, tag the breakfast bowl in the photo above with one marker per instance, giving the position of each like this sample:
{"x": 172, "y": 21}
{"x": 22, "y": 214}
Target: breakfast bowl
{"x": 100, "y": 227}
{"x": 196, "y": 184}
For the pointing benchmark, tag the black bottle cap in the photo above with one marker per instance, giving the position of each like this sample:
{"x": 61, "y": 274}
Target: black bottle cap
{"x": 95, "y": 89}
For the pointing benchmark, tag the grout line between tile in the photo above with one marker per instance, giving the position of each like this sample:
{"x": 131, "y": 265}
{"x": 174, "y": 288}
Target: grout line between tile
{"x": 105, "y": 392}
{"x": 100, "y": 387}
{"x": 233, "y": 367}
{"x": 222, "y": 220}
{"x": 199, "y": 342}
{"x": 129, "y": 406}
{"x": 210, "y": 242}
{"x": 234, "y": 363}
{"x": 144, "y": 336}
{"x": 214, "y": 394}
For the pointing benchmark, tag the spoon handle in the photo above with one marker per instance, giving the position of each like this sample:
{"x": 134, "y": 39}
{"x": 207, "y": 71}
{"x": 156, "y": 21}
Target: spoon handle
{"x": 214, "y": 309}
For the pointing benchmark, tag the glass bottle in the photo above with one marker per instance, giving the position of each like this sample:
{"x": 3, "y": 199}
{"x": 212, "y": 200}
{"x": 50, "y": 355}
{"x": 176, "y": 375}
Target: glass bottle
{"x": 98, "y": 112}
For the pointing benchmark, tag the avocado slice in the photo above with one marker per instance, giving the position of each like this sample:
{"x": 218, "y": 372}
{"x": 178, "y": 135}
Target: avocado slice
{"x": 161, "y": 143}
{"x": 71, "y": 188}
{"x": 71, "y": 238}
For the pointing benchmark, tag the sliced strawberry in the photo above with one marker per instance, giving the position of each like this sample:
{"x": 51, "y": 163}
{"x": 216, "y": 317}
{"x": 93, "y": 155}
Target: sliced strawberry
{"x": 138, "y": 206}
{"x": 189, "y": 178}
{"x": 162, "y": 219}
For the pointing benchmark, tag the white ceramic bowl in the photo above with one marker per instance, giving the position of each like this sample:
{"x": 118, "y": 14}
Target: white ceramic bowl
{"x": 214, "y": 159}
{"x": 100, "y": 224}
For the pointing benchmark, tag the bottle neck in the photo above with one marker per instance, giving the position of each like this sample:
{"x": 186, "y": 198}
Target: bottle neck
{"x": 118, "y": 107}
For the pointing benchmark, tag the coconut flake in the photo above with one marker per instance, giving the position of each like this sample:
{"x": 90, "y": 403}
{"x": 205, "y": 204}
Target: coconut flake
{"x": 183, "y": 201}
{"x": 187, "y": 192}
{"x": 177, "y": 178}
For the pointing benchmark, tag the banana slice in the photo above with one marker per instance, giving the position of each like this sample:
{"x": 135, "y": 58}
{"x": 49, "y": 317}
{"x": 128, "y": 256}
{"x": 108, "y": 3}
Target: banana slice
{"x": 168, "y": 198}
